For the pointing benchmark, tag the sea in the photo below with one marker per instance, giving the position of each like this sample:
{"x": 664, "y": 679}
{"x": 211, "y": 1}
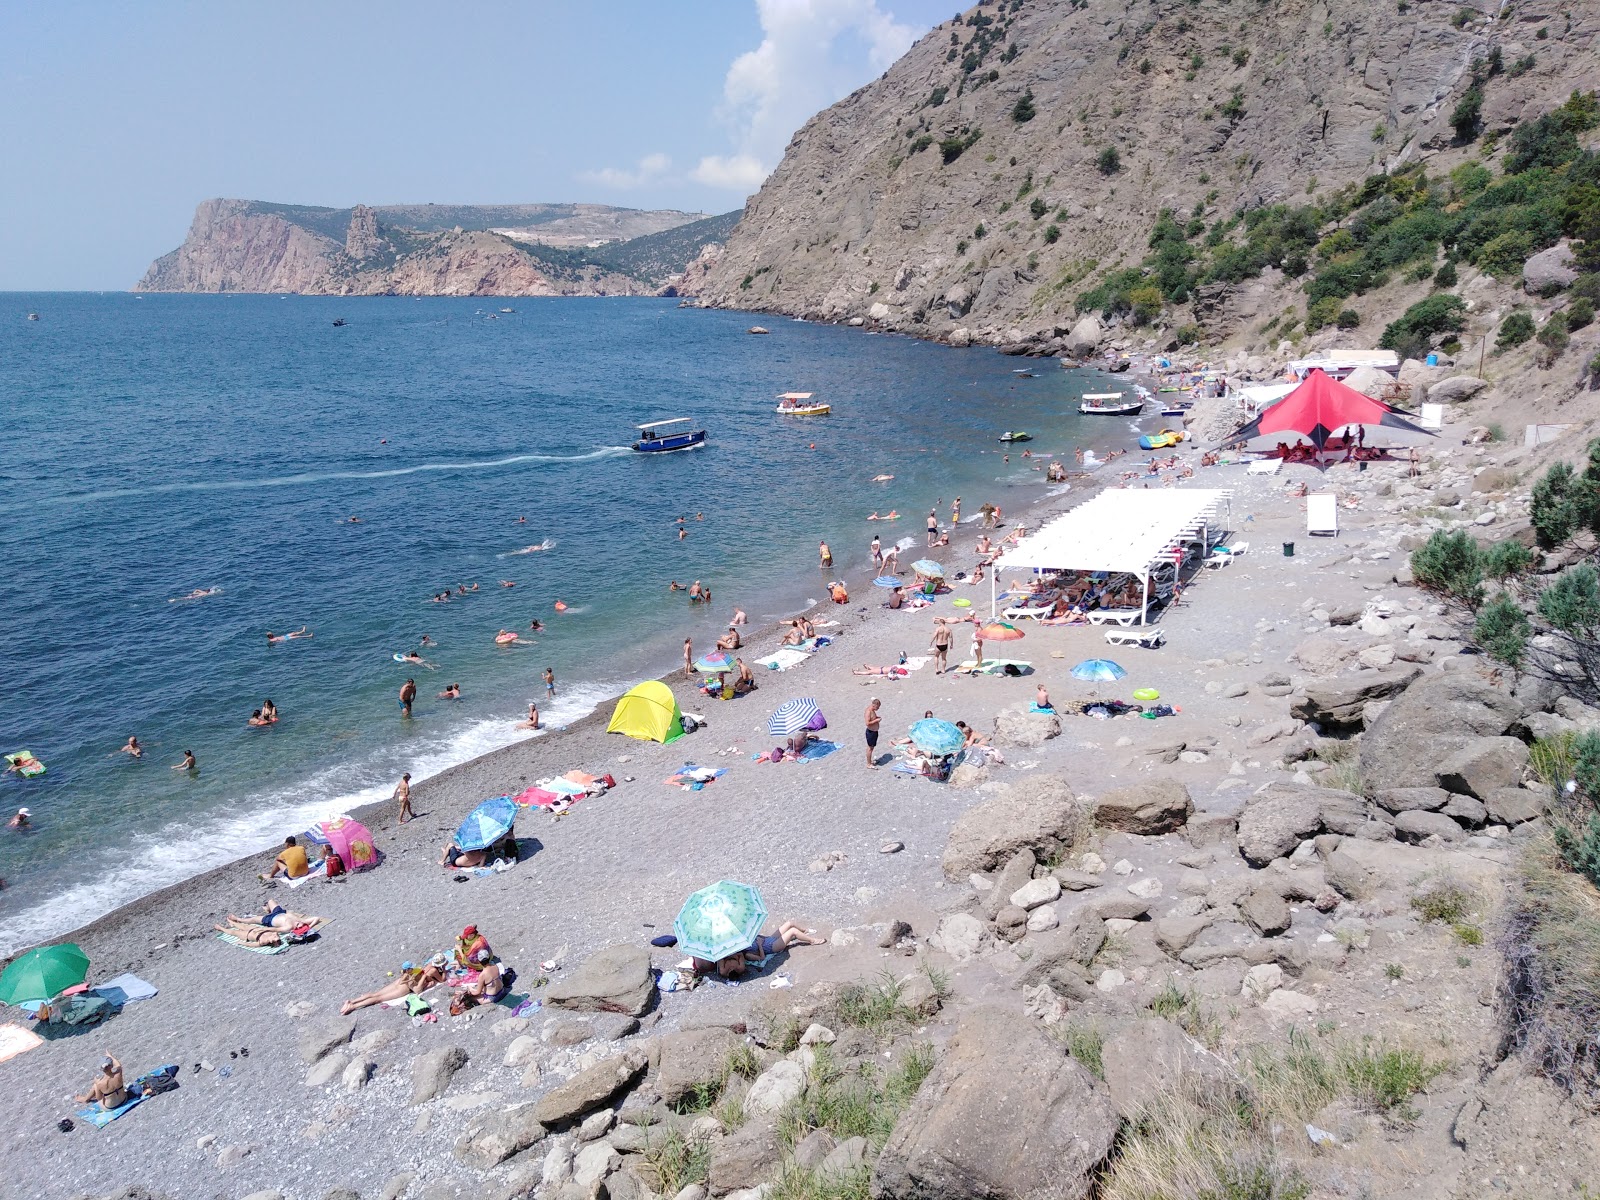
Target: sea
{"x": 338, "y": 477}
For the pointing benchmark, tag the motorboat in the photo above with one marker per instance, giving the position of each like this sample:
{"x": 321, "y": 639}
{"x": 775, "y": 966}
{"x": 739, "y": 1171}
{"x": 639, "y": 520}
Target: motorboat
{"x": 1016, "y": 436}
{"x": 802, "y": 404}
{"x": 1176, "y": 410}
{"x": 340, "y": 323}
{"x": 508, "y": 310}
{"x": 658, "y": 437}
{"x": 1023, "y": 373}
{"x": 1109, "y": 404}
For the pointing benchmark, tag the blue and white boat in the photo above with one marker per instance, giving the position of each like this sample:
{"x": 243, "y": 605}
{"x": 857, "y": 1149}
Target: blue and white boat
{"x": 657, "y": 437}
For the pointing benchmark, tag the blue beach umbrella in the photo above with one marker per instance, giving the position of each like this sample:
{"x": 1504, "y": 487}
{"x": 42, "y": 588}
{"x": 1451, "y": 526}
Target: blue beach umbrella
{"x": 794, "y": 715}
{"x": 720, "y": 920}
{"x": 888, "y": 581}
{"x": 487, "y": 824}
{"x": 936, "y": 736}
{"x": 926, "y": 566}
{"x": 1101, "y": 669}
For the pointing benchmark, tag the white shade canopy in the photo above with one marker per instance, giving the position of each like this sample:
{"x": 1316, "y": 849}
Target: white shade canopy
{"x": 1121, "y": 529}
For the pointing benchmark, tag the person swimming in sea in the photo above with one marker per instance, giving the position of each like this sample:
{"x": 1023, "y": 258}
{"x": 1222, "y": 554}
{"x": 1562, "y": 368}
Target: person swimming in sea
{"x": 453, "y": 692}
{"x": 274, "y": 638}
{"x": 536, "y": 625}
{"x": 411, "y": 656}
{"x": 197, "y": 594}
{"x": 132, "y": 748}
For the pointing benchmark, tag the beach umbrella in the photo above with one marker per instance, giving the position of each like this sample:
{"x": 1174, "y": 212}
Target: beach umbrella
{"x": 487, "y": 824}
{"x": 720, "y": 920}
{"x": 350, "y": 839}
{"x": 926, "y": 566}
{"x": 794, "y": 715}
{"x": 888, "y": 581}
{"x": 1000, "y": 631}
{"x": 43, "y": 973}
{"x": 714, "y": 663}
{"x": 1102, "y": 669}
{"x": 936, "y": 736}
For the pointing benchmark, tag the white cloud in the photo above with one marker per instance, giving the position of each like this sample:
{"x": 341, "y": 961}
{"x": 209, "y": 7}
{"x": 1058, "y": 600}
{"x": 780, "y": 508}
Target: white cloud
{"x": 735, "y": 173}
{"x": 812, "y": 52}
{"x": 652, "y": 168}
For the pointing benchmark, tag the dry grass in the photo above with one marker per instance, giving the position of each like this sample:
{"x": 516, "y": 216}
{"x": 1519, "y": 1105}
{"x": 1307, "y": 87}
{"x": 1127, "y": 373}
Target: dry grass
{"x": 1550, "y": 992}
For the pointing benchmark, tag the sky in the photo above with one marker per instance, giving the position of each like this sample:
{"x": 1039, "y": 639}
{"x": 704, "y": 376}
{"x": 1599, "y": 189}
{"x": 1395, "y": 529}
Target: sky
{"x": 120, "y": 118}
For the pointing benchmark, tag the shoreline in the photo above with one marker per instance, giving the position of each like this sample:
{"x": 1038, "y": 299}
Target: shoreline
{"x": 1051, "y": 501}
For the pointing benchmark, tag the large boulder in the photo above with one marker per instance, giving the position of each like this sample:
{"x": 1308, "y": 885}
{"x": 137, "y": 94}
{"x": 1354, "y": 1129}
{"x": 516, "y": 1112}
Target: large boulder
{"x": 1040, "y": 814}
{"x": 432, "y": 1072}
{"x": 1006, "y": 1114}
{"x": 1418, "y": 826}
{"x": 1370, "y": 381}
{"x": 1484, "y": 766}
{"x": 1159, "y": 806}
{"x": 960, "y": 935}
{"x": 591, "y": 1087}
{"x": 615, "y": 979}
{"x": 745, "y": 1158}
{"x": 1427, "y": 723}
{"x": 1275, "y": 822}
{"x": 1085, "y": 336}
{"x": 1077, "y": 939}
{"x": 1336, "y": 705}
{"x": 495, "y": 1136}
{"x": 690, "y": 1059}
{"x": 1144, "y": 1059}
{"x": 1514, "y": 805}
{"x": 1456, "y": 389}
{"x": 1399, "y": 800}
{"x": 1552, "y": 268}
{"x": 1017, "y": 727}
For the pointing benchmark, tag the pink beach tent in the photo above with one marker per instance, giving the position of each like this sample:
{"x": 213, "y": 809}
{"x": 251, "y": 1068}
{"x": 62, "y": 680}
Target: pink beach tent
{"x": 350, "y": 839}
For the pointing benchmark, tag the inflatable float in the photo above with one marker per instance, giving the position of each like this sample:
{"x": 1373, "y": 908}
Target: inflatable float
{"x": 1163, "y": 440}
{"x": 26, "y": 764}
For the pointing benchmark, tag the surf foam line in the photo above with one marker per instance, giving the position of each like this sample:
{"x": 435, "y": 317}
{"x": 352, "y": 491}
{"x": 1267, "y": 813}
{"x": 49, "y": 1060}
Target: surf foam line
{"x": 237, "y": 485}
{"x": 175, "y": 851}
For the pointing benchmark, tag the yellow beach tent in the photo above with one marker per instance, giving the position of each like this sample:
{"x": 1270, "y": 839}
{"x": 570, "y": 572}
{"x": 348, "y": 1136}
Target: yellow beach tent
{"x": 648, "y": 712}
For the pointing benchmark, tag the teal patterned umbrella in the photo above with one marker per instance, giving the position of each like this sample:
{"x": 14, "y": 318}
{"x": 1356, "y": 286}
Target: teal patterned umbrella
{"x": 720, "y": 920}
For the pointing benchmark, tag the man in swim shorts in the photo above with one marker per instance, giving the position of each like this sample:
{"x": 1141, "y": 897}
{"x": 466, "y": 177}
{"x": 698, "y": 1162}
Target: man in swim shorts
{"x": 408, "y": 693}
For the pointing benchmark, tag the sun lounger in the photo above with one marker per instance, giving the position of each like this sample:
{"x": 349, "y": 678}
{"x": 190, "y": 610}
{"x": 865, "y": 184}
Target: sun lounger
{"x": 1120, "y": 616}
{"x": 1219, "y": 560}
{"x": 1264, "y": 466}
{"x": 1037, "y": 612}
{"x": 1322, "y": 514}
{"x": 1150, "y": 639}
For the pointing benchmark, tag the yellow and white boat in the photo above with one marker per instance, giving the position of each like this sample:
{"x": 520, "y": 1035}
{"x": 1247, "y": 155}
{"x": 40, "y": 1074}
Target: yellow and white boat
{"x": 801, "y": 404}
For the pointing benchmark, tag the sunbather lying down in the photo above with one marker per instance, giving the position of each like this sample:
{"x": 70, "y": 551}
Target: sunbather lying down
{"x": 251, "y": 933}
{"x": 275, "y": 916}
{"x": 892, "y": 672}
{"x": 413, "y": 981}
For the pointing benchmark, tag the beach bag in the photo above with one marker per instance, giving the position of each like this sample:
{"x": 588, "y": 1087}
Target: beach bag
{"x": 608, "y": 781}
{"x": 164, "y": 1079}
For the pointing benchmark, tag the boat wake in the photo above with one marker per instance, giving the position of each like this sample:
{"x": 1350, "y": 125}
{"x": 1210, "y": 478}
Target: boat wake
{"x": 237, "y": 485}
{"x": 547, "y": 544}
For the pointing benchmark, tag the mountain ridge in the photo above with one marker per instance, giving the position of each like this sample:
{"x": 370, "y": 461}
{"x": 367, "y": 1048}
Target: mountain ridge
{"x": 236, "y": 245}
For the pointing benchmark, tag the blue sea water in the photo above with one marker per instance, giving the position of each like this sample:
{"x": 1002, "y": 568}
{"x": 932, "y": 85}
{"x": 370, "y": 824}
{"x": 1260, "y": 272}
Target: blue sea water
{"x": 162, "y": 444}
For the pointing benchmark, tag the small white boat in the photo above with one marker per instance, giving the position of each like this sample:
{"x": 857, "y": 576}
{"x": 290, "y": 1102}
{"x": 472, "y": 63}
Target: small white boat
{"x": 508, "y": 310}
{"x": 801, "y": 404}
{"x": 1109, "y": 404}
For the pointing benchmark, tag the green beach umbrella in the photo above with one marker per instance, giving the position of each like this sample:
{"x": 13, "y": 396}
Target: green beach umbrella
{"x": 720, "y": 920}
{"x": 43, "y": 973}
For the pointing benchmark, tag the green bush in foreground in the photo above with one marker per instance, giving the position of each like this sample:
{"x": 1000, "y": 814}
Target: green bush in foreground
{"x": 1450, "y": 564}
{"x": 1514, "y": 330}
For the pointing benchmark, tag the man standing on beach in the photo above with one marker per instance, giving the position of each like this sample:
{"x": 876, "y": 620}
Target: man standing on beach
{"x": 941, "y": 645}
{"x": 688, "y": 659}
{"x": 873, "y": 719}
{"x": 402, "y": 793}
{"x": 933, "y": 527}
{"x": 408, "y": 693}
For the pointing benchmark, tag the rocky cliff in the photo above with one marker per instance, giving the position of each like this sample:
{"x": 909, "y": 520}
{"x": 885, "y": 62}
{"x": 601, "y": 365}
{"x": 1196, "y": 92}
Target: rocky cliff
{"x": 1018, "y": 155}
{"x": 506, "y": 250}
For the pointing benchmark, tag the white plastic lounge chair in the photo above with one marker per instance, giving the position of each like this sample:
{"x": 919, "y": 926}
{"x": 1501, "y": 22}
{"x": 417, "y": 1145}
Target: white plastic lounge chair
{"x": 1219, "y": 559}
{"x": 1037, "y": 612}
{"x": 1150, "y": 639}
{"x": 1236, "y": 548}
{"x": 1264, "y": 466}
{"x": 1432, "y": 416}
{"x": 1120, "y": 616}
{"x": 1322, "y": 514}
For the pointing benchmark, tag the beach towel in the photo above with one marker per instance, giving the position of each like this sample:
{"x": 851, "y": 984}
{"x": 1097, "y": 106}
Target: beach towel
{"x": 537, "y": 796}
{"x": 125, "y": 988}
{"x": 15, "y": 1040}
{"x": 233, "y": 941}
{"x": 563, "y": 786}
{"x": 498, "y": 866}
{"x": 995, "y": 666}
{"x": 783, "y": 659}
{"x": 818, "y": 750}
{"x": 693, "y": 778}
{"x": 1264, "y": 466}
{"x": 584, "y": 780}
{"x": 315, "y": 873}
{"x": 101, "y": 1117}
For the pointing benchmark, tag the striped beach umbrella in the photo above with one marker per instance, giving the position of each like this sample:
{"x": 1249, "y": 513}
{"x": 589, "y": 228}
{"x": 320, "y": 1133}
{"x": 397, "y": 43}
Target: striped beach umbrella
{"x": 720, "y": 920}
{"x": 794, "y": 715}
{"x": 714, "y": 663}
{"x": 888, "y": 581}
{"x": 936, "y": 736}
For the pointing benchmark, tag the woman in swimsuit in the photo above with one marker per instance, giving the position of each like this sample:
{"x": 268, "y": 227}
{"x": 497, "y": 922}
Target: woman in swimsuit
{"x": 413, "y": 981}
{"x": 789, "y": 934}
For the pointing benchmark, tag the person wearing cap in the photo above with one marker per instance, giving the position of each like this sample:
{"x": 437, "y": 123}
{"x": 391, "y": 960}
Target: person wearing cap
{"x": 108, "y": 1090}
{"x": 413, "y": 981}
{"x": 20, "y": 821}
{"x": 472, "y": 949}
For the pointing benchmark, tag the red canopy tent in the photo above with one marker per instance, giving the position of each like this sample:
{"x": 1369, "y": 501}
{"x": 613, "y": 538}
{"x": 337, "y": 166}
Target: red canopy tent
{"x": 1319, "y": 407}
